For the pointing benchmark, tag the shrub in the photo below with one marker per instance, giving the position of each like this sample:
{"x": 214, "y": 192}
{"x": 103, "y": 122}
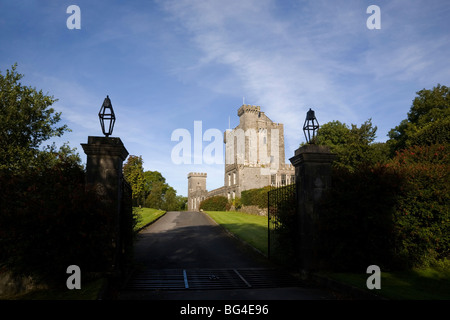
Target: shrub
{"x": 255, "y": 197}
{"x": 217, "y": 203}
{"x": 48, "y": 221}
{"x": 356, "y": 219}
{"x": 422, "y": 216}
{"x": 394, "y": 215}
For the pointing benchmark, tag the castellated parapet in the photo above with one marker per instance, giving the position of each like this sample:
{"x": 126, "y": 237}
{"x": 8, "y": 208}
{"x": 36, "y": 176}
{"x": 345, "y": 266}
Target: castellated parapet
{"x": 249, "y": 109}
{"x": 197, "y": 174}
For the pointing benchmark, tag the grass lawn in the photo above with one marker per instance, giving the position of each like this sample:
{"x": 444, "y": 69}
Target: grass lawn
{"x": 146, "y": 216}
{"x": 248, "y": 227}
{"x": 89, "y": 291}
{"x": 420, "y": 284}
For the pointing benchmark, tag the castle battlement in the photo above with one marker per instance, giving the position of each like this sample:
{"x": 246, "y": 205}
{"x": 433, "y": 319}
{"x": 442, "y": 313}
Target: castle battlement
{"x": 196, "y": 174}
{"x": 247, "y": 108}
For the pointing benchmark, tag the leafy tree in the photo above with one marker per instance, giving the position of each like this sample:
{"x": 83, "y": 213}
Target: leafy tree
{"x": 354, "y": 146}
{"x": 170, "y": 200}
{"x": 134, "y": 173}
{"x": 156, "y": 197}
{"x": 50, "y": 156}
{"x": 26, "y": 121}
{"x": 150, "y": 188}
{"x": 182, "y": 202}
{"x": 150, "y": 178}
{"x": 428, "y": 120}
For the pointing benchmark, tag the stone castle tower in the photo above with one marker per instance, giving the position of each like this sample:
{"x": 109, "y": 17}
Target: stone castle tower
{"x": 196, "y": 190}
{"x": 254, "y": 158}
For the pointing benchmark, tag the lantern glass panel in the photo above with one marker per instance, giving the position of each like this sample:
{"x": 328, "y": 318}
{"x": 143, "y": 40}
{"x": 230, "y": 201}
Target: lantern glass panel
{"x": 310, "y": 127}
{"x": 107, "y": 117}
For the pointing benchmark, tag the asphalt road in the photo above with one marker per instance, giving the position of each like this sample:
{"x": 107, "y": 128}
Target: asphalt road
{"x": 191, "y": 240}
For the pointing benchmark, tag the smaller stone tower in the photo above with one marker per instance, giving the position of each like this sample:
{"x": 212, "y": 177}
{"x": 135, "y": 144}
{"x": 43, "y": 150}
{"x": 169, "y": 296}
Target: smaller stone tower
{"x": 196, "y": 190}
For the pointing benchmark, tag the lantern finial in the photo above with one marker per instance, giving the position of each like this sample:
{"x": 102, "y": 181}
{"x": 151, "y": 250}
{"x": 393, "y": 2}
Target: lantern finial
{"x": 310, "y": 127}
{"x": 107, "y": 117}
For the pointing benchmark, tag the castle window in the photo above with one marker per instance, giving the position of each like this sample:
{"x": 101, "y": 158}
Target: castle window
{"x": 234, "y": 177}
{"x": 292, "y": 178}
{"x": 283, "y": 179}
{"x": 229, "y": 179}
{"x": 273, "y": 179}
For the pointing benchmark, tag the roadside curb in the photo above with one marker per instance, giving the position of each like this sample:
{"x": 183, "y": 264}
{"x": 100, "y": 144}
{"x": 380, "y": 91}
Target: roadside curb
{"x": 234, "y": 236}
{"x": 150, "y": 223}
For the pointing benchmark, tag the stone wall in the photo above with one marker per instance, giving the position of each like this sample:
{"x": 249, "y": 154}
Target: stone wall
{"x": 254, "y": 210}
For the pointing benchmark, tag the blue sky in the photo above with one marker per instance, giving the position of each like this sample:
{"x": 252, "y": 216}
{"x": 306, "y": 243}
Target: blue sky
{"x": 166, "y": 64}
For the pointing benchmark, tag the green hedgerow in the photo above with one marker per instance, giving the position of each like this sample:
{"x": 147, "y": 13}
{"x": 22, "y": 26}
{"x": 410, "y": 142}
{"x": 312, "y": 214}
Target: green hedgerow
{"x": 217, "y": 203}
{"x": 394, "y": 215}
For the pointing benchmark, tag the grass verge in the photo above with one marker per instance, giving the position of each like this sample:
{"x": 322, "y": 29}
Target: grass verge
{"x": 417, "y": 284}
{"x": 249, "y": 228}
{"x": 146, "y": 216}
{"x": 89, "y": 291}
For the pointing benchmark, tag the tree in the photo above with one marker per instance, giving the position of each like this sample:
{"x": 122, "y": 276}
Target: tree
{"x": 150, "y": 188}
{"x": 156, "y": 197}
{"x": 170, "y": 200}
{"x": 427, "y": 122}
{"x": 182, "y": 202}
{"x": 150, "y": 178}
{"x": 354, "y": 146}
{"x": 26, "y": 121}
{"x": 134, "y": 173}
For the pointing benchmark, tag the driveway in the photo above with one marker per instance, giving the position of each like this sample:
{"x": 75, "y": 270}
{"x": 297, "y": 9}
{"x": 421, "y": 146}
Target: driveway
{"x": 186, "y": 255}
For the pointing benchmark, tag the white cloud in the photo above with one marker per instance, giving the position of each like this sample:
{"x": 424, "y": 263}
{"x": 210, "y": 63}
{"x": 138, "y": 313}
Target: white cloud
{"x": 320, "y": 55}
{"x": 168, "y": 64}
{"x": 279, "y": 69}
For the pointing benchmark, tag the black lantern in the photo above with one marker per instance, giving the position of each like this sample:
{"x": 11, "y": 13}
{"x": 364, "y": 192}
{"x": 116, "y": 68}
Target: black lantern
{"x": 107, "y": 117}
{"x": 310, "y": 127}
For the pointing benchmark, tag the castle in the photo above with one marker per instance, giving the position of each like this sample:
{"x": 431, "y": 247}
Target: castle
{"x": 254, "y": 158}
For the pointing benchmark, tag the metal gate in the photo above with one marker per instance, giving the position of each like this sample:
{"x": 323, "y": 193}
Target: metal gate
{"x": 282, "y": 224}
{"x": 210, "y": 279}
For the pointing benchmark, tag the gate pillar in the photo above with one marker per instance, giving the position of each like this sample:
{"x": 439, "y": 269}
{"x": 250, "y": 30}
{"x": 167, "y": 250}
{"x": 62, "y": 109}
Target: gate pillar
{"x": 312, "y": 176}
{"x": 105, "y": 156}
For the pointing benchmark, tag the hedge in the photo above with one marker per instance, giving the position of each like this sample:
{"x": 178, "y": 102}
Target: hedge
{"x": 394, "y": 215}
{"x": 216, "y": 203}
{"x": 255, "y": 197}
{"x": 48, "y": 221}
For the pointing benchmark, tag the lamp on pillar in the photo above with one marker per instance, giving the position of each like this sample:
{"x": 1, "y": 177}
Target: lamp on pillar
{"x": 310, "y": 127}
{"x": 107, "y": 117}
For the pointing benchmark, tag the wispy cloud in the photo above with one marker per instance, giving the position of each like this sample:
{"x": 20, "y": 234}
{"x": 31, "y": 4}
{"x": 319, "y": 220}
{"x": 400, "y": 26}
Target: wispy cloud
{"x": 322, "y": 56}
{"x": 277, "y": 65}
{"x": 167, "y": 63}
